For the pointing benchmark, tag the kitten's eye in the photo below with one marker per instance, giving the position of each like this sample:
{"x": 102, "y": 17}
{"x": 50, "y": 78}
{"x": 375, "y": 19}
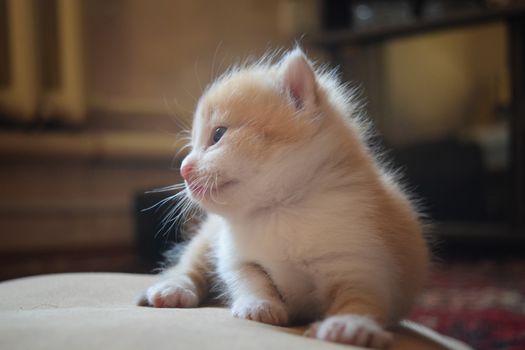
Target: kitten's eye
{"x": 219, "y": 132}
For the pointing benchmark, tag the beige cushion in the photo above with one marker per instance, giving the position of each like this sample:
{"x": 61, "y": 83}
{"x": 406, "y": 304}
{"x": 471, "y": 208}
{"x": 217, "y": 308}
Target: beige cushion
{"x": 97, "y": 311}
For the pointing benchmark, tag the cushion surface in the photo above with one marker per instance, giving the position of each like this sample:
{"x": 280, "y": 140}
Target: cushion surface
{"x": 97, "y": 311}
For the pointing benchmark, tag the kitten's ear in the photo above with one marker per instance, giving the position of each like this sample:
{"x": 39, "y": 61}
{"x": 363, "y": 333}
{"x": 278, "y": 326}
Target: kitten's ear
{"x": 299, "y": 79}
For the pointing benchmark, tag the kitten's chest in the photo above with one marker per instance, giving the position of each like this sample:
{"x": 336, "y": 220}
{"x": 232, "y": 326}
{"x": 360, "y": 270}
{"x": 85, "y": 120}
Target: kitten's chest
{"x": 296, "y": 287}
{"x": 281, "y": 257}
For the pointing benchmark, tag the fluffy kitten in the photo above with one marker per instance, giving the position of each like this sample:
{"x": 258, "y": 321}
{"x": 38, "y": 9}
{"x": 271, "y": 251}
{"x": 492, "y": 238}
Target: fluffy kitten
{"x": 303, "y": 224}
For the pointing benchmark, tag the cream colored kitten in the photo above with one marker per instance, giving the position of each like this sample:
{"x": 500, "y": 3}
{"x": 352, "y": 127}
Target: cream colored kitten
{"x": 303, "y": 225}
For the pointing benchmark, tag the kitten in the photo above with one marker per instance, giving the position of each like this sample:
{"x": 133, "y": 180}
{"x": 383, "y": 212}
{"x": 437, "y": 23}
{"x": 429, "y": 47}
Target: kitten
{"x": 303, "y": 224}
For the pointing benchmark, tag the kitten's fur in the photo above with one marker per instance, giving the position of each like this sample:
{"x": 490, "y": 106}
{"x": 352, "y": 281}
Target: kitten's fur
{"x": 303, "y": 224}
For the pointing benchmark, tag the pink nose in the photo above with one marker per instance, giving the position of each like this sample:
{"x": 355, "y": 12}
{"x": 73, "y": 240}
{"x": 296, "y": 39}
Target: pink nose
{"x": 185, "y": 171}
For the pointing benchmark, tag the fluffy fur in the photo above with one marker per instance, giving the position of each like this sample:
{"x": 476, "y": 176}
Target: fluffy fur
{"x": 303, "y": 224}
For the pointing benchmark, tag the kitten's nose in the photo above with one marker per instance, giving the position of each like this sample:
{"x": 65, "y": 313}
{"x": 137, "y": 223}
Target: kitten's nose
{"x": 185, "y": 171}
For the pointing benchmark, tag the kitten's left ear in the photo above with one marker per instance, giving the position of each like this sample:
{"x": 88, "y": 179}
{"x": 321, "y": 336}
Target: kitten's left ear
{"x": 298, "y": 78}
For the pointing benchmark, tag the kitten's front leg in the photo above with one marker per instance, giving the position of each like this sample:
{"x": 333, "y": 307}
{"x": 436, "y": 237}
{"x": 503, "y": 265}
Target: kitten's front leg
{"x": 254, "y": 296}
{"x": 185, "y": 284}
{"x": 356, "y": 319}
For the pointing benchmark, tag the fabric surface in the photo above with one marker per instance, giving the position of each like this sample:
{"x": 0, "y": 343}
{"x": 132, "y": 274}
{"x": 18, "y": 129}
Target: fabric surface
{"x": 97, "y": 311}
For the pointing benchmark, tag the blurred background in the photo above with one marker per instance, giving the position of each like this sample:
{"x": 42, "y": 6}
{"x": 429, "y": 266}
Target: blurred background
{"x": 94, "y": 93}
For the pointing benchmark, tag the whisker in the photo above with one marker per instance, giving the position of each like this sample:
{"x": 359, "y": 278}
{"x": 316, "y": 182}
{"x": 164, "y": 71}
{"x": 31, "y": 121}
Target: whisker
{"x": 186, "y": 123}
{"x": 188, "y": 145}
{"x": 204, "y": 188}
{"x": 189, "y": 210}
{"x": 178, "y": 121}
{"x": 167, "y": 188}
{"x": 173, "y": 216}
{"x": 213, "y": 187}
{"x": 172, "y": 205}
{"x": 159, "y": 203}
{"x": 195, "y": 71}
{"x": 189, "y": 94}
{"x": 191, "y": 213}
{"x": 185, "y": 134}
{"x": 216, "y": 187}
{"x": 212, "y": 72}
{"x": 221, "y": 64}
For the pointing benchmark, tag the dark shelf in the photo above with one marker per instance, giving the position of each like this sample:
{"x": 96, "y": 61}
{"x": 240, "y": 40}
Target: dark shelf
{"x": 510, "y": 235}
{"x": 475, "y": 240}
{"x": 349, "y": 37}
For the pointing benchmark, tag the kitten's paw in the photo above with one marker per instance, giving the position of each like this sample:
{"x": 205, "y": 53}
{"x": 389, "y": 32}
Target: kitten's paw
{"x": 353, "y": 330}
{"x": 169, "y": 294}
{"x": 265, "y": 311}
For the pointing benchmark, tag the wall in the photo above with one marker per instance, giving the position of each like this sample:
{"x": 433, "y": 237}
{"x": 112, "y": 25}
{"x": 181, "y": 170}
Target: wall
{"x": 67, "y": 197}
{"x": 438, "y": 84}
{"x": 158, "y": 55}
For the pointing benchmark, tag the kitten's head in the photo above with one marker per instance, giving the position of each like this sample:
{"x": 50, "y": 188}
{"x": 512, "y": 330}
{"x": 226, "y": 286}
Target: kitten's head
{"x": 254, "y": 136}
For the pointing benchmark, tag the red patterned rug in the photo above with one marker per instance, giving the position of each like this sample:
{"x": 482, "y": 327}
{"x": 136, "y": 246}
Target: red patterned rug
{"x": 480, "y": 303}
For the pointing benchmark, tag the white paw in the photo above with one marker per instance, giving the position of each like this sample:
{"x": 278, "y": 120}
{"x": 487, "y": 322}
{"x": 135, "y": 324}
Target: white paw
{"x": 352, "y": 330}
{"x": 265, "y": 311}
{"x": 169, "y": 294}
